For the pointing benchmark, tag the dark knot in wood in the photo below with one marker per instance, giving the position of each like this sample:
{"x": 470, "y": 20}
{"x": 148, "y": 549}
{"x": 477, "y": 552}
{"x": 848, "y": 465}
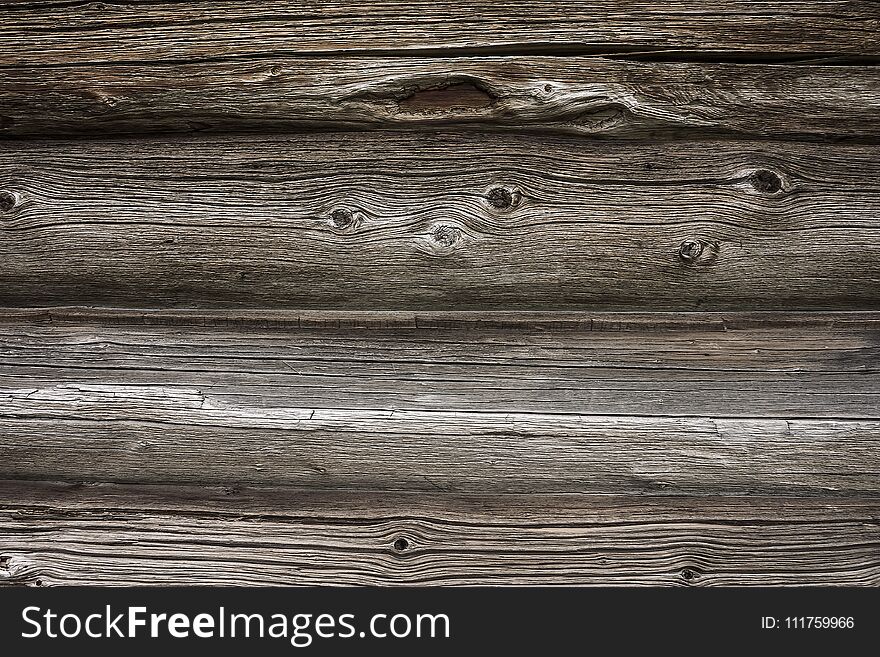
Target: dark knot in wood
{"x": 401, "y": 544}
{"x": 341, "y": 218}
{"x": 500, "y": 198}
{"x": 690, "y": 250}
{"x": 688, "y": 575}
{"x": 8, "y": 200}
{"x": 446, "y": 236}
{"x": 766, "y": 182}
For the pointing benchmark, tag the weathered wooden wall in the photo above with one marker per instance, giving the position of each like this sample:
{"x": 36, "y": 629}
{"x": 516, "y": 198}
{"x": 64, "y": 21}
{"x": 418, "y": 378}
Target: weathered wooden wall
{"x": 440, "y": 293}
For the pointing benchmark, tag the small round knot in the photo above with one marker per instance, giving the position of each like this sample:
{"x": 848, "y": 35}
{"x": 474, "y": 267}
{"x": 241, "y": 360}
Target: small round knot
{"x": 500, "y": 198}
{"x": 690, "y": 250}
{"x": 401, "y": 544}
{"x": 548, "y": 88}
{"x": 8, "y": 200}
{"x": 688, "y": 575}
{"x": 445, "y": 236}
{"x": 765, "y": 181}
{"x": 341, "y": 218}
{"x": 275, "y": 70}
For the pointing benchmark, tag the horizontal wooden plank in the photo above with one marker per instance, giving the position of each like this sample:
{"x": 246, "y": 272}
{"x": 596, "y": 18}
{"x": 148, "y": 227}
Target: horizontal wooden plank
{"x": 249, "y": 319}
{"x": 54, "y": 534}
{"x": 60, "y": 32}
{"x": 816, "y": 368}
{"x": 520, "y": 409}
{"x": 153, "y": 434}
{"x": 582, "y": 95}
{"x": 290, "y": 504}
{"x": 439, "y": 220}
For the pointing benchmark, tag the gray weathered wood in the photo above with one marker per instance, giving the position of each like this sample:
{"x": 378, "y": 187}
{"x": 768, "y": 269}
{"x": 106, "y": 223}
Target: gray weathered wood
{"x": 149, "y": 433}
{"x": 379, "y": 347}
{"x": 814, "y": 366}
{"x": 655, "y": 408}
{"x": 59, "y": 32}
{"x": 582, "y": 95}
{"x": 58, "y": 534}
{"x": 440, "y": 220}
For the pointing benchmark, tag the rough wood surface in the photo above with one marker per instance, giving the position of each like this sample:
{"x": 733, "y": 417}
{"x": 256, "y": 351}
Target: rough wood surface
{"x": 656, "y": 409}
{"x": 714, "y": 366}
{"x": 582, "y": 95}
{"x": 382, "y": 345}
{"x": 439, "y": 220}
{"x": 59, "y": 32}
{"x": 116, "y": 535}
{"x": 144, "y": 434}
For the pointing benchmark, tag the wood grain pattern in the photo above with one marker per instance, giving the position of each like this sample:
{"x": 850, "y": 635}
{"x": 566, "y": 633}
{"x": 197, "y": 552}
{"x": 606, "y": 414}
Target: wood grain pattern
{"x": 439, "y": 220}
{"x": 589, "y": 96}
{"x": 817, "y": 367}
{"x": 115, "y": 535}
{"x": 59, "y": 32}
{"x": 147, "y": 435}
{"x": 463, "y": 410}
{"x": 448, "y": 293}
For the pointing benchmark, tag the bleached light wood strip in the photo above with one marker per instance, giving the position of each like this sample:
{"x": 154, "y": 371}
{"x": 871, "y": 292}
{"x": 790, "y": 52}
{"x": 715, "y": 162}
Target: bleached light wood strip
{"x": 157, "y": 434}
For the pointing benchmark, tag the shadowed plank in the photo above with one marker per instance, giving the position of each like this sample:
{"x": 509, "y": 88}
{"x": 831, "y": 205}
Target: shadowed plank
{"x": 582, "y": 95}
{"x": 439, "y": 220}
{"x": 56, "y": 534}
{"x": 60, "y": 32}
